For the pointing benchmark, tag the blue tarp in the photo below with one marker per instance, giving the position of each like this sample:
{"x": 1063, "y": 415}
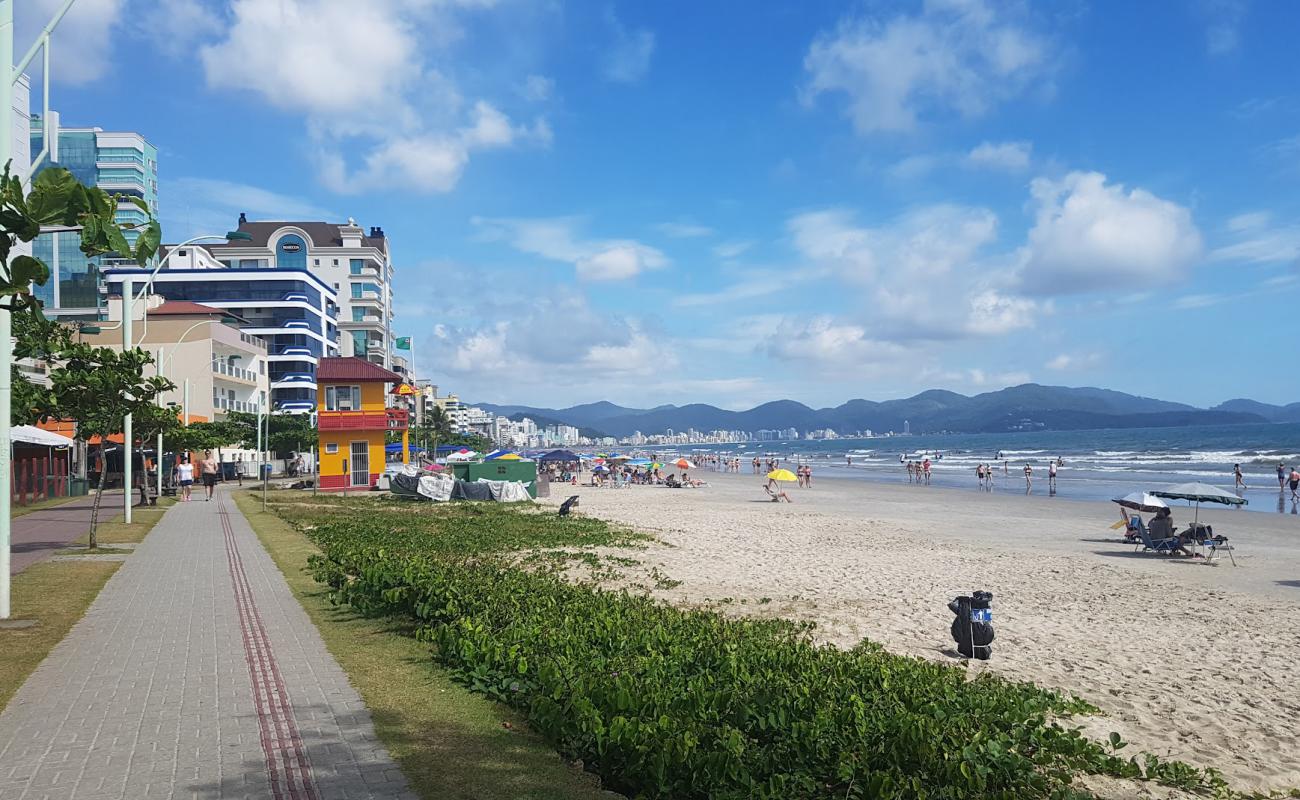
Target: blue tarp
{"x": 559, "y": 455}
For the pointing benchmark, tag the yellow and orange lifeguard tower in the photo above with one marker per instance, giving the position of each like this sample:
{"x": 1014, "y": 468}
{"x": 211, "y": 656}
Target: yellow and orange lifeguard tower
{"x": 352, "y": 420}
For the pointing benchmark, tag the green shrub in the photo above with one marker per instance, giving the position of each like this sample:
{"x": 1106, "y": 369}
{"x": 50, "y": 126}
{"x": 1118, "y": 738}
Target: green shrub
{"x": 669, "y": 703}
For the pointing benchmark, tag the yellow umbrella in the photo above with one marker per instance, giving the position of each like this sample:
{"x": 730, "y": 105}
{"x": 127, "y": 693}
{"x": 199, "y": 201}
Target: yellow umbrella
{"x": 509, "y": 457}
{"x": 782, "y": 475}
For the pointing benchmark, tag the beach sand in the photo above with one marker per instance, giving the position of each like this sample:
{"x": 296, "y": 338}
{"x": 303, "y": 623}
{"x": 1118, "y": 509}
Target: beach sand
{"x": 1187, "y": 660}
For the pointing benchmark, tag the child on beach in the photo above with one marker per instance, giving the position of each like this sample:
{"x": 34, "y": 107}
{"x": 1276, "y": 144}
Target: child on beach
{"x": 1238, "y": 477}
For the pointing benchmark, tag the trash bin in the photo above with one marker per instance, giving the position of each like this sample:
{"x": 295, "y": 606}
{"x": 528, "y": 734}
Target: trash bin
{"x": 266, "y": 472}
{"x": 228, "y": 471}
{"x": 78, "y": 487}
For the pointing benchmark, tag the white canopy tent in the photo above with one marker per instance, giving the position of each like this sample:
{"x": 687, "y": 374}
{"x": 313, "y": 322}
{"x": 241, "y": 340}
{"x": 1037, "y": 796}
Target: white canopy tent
{"x": 30, "y": 434}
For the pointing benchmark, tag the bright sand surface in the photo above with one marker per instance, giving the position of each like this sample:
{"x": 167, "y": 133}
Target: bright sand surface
{"x": 1194, "y": 661}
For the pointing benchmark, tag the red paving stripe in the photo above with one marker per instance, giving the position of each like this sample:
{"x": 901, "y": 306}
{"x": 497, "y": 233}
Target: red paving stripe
{"x": 281, "y": 743}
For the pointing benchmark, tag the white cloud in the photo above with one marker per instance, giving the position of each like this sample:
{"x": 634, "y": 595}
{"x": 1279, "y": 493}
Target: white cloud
{"x": 556, "y": 239}
{"x": 1249, "y": 221}
{"x": 683, "y": 230}
{"x": 1091, "y": 235}
{"x": 1259, "y": 241}
{"x": 378, "y": 110}
{"x": 1007, "y": 156}
{"x": 730, "y": 250}
{"x": 1073, "y": 362}
{"x": 1191, "y": 301}
{"x": 81, "y": 46}
{"x": 923, "y": 273}
{"x": 1223, "y": 20}
{"x": 827, "y": 342}
{"x": 627, "y": 55}
{"x": 913, "y": 167}
{"x": 537, "y": 88}
{"x": 954, "y": 55}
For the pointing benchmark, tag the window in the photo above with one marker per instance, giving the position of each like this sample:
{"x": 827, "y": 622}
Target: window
{"x": 358, "y": 315}
{"x": 291, "y": 252}
{"x": 332, "y": 449}
{"x": 336, "y": 262}
{"x": 356, "y": 291}
{"x": 354, "y": 266}
{"x": 342, "y": 398}
{"x": 315, "y": 262}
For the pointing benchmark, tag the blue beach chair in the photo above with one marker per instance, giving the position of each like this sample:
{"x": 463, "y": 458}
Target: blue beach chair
{"x": 1146, "y": 543}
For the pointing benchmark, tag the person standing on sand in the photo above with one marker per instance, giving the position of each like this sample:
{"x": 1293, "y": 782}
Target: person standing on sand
{"x": 1295, "y": 483}
{"x": 1051, "y": 475}
{"x": 925, "y": 467}
{"x": 979, "y": 473}
{"x": 1238, "y": 477}
{"x": 1029, "y": 477}
{"x": 909, "y": 472}
{"x": 1006, "y": 467}
{"x": 807, "y": 476}
{"x": 208, "y": 469}
{"x": 1281, "y": 476}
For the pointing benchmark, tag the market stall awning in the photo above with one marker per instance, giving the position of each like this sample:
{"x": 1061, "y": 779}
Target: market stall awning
{"x": 31, "y": 434}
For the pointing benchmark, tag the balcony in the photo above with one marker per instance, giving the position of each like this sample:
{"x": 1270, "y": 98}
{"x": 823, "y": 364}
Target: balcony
{"x": 391, "y": 419}
{"x": 238, "y": 373}
{"x": 291, "y": 380}
{"x": 226, "y": 404}
{"x": 291, "y": 297}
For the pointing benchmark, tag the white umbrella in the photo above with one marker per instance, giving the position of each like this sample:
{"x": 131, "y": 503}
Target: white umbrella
{"x": 1141, "y": 501}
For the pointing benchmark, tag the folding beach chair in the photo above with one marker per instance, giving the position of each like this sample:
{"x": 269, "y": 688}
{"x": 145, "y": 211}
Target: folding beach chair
{"x": 1145, "y": 542}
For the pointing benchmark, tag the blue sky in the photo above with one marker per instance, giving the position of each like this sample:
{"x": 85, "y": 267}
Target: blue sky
{"x": 736, "y": 202}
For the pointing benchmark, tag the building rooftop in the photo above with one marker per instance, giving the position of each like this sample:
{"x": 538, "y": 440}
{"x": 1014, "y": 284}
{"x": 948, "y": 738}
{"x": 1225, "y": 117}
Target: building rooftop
{"x": 322, "y": 234}
{"x": 184, "y": 308}
{"x": 351, "y": 368}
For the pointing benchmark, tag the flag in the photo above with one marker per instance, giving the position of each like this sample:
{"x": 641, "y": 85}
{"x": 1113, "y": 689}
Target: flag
{"x": 403, "y": 343}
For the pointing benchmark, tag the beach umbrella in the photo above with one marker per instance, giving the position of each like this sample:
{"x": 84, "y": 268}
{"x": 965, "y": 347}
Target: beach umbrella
{"x": 504, "y": 457}
{"x": 600, "y": 468}
{"x": 682, "y": 463}
{"x": 656, "y": 465}
{"x": 1199, "y": 493}
{"x": 782, "y": 475}
{"x": 1141, "y": 501}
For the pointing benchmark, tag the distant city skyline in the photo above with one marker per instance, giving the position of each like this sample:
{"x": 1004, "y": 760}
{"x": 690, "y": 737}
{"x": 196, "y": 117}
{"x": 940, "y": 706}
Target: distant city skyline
{"x": 655, "y": 203}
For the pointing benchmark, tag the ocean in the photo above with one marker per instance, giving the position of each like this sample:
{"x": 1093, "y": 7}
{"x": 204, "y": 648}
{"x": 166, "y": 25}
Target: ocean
{"x": 1098, "y": 464}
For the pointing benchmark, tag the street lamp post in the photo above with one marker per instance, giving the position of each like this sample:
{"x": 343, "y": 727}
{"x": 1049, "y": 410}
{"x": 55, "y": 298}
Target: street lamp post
{"x": 128, "y": 303}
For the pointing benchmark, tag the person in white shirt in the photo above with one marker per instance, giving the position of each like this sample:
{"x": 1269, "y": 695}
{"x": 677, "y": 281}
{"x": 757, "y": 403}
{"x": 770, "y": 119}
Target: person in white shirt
{"x": 185, "y": 477}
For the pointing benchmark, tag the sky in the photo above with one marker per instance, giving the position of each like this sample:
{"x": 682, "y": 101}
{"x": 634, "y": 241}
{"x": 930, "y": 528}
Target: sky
{"x": 735, "y": 202}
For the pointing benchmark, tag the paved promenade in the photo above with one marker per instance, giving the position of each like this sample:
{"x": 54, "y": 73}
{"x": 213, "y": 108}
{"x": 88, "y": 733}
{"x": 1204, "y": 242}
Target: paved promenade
{"x": 37, "y": 535}
{"x": 195, "y": 674}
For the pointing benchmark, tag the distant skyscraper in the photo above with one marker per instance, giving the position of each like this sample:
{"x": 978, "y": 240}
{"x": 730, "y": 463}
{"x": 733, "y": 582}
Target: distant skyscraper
{"x": 120, "y": 163}
{"x": 907, "y": 427}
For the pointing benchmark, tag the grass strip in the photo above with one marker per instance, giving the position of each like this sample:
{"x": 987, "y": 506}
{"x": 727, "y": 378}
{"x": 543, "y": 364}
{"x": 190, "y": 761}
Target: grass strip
{"x": 115, "y": 531}
{"x": 16, "y": 510}
{"x": 449, "y": 742}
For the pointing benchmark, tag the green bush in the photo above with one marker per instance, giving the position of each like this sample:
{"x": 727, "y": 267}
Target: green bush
{"x": 669, "y": 703}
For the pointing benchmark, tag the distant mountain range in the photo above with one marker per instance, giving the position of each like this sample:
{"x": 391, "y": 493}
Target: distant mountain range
{"x": 1026, "y": 407}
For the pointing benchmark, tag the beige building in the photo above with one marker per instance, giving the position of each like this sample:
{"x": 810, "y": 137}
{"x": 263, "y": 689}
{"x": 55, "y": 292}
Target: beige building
{"x": 217, "y": 368}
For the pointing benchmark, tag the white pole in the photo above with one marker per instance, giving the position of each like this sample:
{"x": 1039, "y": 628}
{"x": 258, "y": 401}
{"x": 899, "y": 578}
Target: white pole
{"x": 6, "y": 322}
{"x": 158, "y": 452}
{"x": 185, "y": 403}
{"x": 128, "y": 287}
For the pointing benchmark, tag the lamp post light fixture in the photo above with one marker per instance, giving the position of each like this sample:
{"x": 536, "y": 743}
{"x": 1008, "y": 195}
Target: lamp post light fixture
{"x": 128, "y": 307}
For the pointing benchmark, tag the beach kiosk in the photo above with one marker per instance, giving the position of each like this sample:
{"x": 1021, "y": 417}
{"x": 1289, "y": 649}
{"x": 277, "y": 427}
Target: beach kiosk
{"x": 352, "y": 418}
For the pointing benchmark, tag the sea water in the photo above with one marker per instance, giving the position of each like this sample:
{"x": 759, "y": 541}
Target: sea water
{"x": 1097, "y": 464}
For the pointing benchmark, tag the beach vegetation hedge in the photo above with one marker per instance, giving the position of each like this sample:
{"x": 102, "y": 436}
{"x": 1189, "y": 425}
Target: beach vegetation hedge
{"x": 666, "y": 702}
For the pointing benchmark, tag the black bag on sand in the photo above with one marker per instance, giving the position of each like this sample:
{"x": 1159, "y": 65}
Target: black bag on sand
{"x": 569, "y": 505}
{"x": 972, "y": 629}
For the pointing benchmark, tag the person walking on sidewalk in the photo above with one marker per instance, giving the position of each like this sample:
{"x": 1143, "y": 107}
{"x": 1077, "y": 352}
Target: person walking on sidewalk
{"x": 208, "y": 467}
{"x": 185, "y": 478}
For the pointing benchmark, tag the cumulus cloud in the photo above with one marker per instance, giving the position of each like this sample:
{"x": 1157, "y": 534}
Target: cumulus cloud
{"x": 1007, "y": 156}
{"x": 557, "y": 239}
{"x": 81, "y": 46}
{"x": 379, "y": 111}
{"x": 627, "y": 55}
{"x": 1090, "y": 235}
{"x": 962, "y": 56}
{"x": 826, "y": 341}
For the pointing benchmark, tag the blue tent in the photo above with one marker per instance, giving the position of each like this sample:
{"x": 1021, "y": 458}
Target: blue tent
{"x": 559, "y": 455}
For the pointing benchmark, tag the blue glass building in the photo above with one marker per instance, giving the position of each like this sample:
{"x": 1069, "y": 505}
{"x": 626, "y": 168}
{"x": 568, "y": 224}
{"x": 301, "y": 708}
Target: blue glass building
{"x": 120, "y": 163}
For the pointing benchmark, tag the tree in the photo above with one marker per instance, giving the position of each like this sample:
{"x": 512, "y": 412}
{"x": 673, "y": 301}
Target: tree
{"x": 98, "y": 387}
{"x": 286, "y": 433}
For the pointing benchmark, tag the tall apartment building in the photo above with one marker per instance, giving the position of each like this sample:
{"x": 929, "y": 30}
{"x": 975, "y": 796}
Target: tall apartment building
{"x": 351, "y": 260}
{"x": 120, "y": 163}
{"x": 292, "y": 310}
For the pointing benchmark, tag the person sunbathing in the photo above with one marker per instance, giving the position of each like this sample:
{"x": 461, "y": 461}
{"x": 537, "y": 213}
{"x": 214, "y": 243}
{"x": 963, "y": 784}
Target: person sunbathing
{"x": 775, "y": 492}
